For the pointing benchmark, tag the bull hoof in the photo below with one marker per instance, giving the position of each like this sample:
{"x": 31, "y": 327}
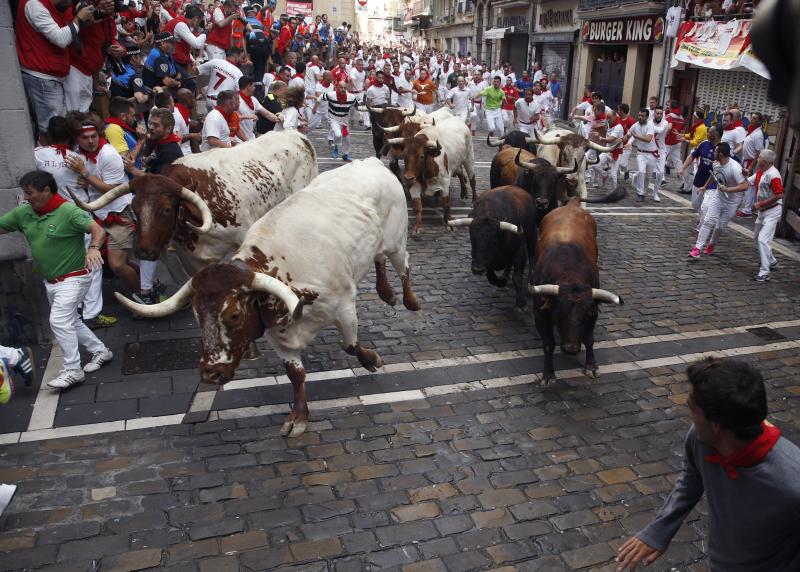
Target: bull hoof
{"x": 591, "y": 372}
{"x": 411, "y": 303}
{"x": 298, "y": 429}
{"x": 548, "y": 378}
{"x": 370, "y": 361}
{"x": 464, "y": 195}
{"x": 252, "y": 352}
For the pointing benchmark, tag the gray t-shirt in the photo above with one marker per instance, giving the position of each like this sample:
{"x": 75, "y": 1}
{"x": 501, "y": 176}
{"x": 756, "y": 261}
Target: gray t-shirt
{"x": 754, "y": 521}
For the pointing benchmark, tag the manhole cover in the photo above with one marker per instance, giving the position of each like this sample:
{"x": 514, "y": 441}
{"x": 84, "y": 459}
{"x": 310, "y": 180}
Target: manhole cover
{"x": 161, "y": 355}
{"x": 767, "y": 334}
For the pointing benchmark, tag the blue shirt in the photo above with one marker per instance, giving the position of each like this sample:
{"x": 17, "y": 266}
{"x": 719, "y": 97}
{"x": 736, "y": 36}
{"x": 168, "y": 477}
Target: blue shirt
{"x": 555, "y": 87}
{"x": 522, "y": 85}
{"x": 705, "y": 154}
{"x": 158, "y": 65}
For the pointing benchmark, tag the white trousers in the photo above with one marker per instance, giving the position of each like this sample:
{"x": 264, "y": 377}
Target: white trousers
{"x": 77, "y": 90}
{"x": 68, "y": 328}
{"x": 426, "y": 107}
{"x": 717, "y": 211}
{"x": 508, "y": 120}
{"x": 11, "y": 355}
{"x": 527, "y": 128}
{"x": 147, "y": 271}
{"x": 494, "y": 120}
{"x": 215, "y": 52}
{"x": 606, "y": 169}
{"x": 673, "y": 157}
{"x": 688, "y": 175}
{"x": 625, "y": 159}
{"x": 476, "y": 116}
{"x": 342, "y": 142}
{"x": 647, "y": 164}
{"x": 763, "y": 233}
{"x": 93, "y": 300}
{"x": 749, "y": 199}
{"x": 464, "y": 115}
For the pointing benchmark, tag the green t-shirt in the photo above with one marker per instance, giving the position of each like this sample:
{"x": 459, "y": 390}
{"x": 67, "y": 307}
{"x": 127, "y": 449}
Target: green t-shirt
{"x": 56, "y": 239}
{"x": 494, "y": 97}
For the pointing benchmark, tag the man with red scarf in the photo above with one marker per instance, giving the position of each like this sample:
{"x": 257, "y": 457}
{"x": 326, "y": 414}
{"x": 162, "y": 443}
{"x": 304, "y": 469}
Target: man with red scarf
{"x": 512, "y": 95}
{"x": 163, "y": 146}
{"x": 54, "y": 229}
{"x": 284, "y": 40}
{"x": 216, "y": 127}
{"x": 747, "y": 470}
{"x": 673, "y": 138}
{"x": 733, "y": 131}
{"x": 748, "y": 150}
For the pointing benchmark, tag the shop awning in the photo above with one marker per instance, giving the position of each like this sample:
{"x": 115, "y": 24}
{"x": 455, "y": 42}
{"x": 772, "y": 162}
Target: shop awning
{"x": 495, "y": 33}
{"x": 717, "y": 45}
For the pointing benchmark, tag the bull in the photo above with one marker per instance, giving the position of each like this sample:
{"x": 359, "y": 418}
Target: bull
{"x": 297, "y": 272}
{"x": 502, "y": 233}
{"x": 562, "y": 147}
{"x": 205, "y": 203}
{"x": 565, "y": 284}
{"x": 383, "y": 117}
{"x": 515, "y": 138}
{"x": 431, "y": 158}
{"x": 407, "y": 126}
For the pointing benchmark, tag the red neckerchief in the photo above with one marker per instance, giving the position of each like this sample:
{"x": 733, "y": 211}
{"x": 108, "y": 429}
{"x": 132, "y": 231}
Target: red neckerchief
{"x": 93, "y": 155}
{"x": 227, "y": 116}
{"x": 733, "y": 126}
{"x": 601, "y": 117}
{"x": 695, "y": 125}
{"x": 587, "y": 99}
{"x": 298, "y": 75}
{"x": 325, "y": 84}
{"x": 749, "y": 455}
{"x": 121, "y": 123}
{"x": 248, "y": 99}
{"x": 341, "y": 97}
{"x": 61, "y": 149}
{"x": 51, "y": 205}
{"x": 170, "y": 11}
{"x": 171, "y": 138}
{"x": 184, "y": 111}
{"x": 752, "y": 127}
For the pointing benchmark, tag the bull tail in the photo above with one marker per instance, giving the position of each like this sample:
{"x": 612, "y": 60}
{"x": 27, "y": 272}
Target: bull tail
{"x": 494, "y": 175}
{"x": 614, "y": 196}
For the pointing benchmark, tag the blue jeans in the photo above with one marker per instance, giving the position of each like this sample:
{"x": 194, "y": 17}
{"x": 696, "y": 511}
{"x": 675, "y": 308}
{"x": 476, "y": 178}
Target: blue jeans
{"x": 45, "y": 99}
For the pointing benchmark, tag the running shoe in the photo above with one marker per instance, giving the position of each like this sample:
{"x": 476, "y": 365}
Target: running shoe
{"x": 695, "y": 253}
{"x": 656, "y": 198}
{"x": 6, "y": 384}
{"x": 335, "y": 152}
{"x": 742, "y": 214}
{"x": 26, "y": 367}
{"x": 67, "y": 378}
{"x": 663, "y": 183}
{"x": 774, "y": 265}
{"x": 148, "y": 299}
{"x": 346, "y": 158}
{"x": 101, "y": 321}
{"x": 761, "y": 277}
{"x": 709, "y": 249}
{"x": 98, "y": 360}
{"x": 627, "y": 176}
{"x": 640, "y": 198}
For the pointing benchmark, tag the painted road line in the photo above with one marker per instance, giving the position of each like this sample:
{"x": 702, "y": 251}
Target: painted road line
{"x": 44, "y": 408}
{"x": 392, "y": 397}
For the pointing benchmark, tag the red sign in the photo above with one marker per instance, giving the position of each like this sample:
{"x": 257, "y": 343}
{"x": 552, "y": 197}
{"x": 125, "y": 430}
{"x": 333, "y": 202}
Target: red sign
{"x": 636, "y": 30}
{"x": 362, "y": 2}
{"x": 304, "y": 9}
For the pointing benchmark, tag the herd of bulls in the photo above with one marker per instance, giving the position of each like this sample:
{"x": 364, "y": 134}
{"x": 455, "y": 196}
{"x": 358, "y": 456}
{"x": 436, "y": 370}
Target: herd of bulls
{"x": 302, "y": 242}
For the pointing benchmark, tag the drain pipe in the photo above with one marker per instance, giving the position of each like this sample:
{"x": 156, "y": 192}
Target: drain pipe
{"x": 665, "y": 70}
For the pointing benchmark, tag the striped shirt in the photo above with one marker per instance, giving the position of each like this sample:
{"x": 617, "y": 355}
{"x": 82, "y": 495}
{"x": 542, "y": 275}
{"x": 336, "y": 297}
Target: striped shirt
{"x": 337, "y": 109}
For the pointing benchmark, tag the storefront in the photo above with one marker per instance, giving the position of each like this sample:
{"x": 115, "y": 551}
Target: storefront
{"x": 554, "y": 43}
{"x": 511, "y": 32}
{"x": 622, "y": 57}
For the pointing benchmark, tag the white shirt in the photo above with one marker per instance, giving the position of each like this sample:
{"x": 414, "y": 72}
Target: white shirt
{"x": 403, "y": 99}
{"x": 546, "y": 100}
{"x": 617, "y": 131}
{"x": 526, "y": 111}
{"x": 643, "y": 131}
{"x": 182, "y": 32}
{"x": 734, "y": 136}
{"x": 50, "y": 160}
{"x": 764, "y": 190}
{"x": 310, "y": 80}
{"x": 378, "y": 95}
{"x": 297, "y": 81}
{"x": 291, "y": 119}
{"x": 461, "y": 98}
{"x": 248, "y": 125}
{"x": 660, "y": 130}
{"x": 109, "y": 169}
{"x": 322, "y": 103}
{"x": 215, "y": 125}
{"x": 267, "y": 81}
{"x": 475, "y": 90}
{"x": 537, "y": 76}
{"x": 357, "y": 79}
{"x": 673, "y": 21}
{"x": 180, "y": 130}
{"x": 753, "y": 143}
{"x": 729, "y": 175}
{"x": 222, "y": 75}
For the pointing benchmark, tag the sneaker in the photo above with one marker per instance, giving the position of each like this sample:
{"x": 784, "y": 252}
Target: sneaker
{"x": 742, "y": 214}
{"x": 6, "y": 385}
{"x": 761, "y": 277}
{"x": 67, "y": 378}
{"x": 147, "y": 299}
{"x": 101, "y": 321}
{"x": 627, "y": 176}
{"x": 774, "y": 265}
{"x": 98, "y": 360}
{"x": 26, "y": 368}
{"x": 335, "y": 152}
{"x": 640, "y": 198}
{"x": 330, "y": 143}
{"x": 695, "y": 253}
{"x": 656, "y": 198}
{"x": 709, "y": 249}
{"x": 663, "y": 184}
{"x": 346, "y": 158}
{"x": 367, "y": 128}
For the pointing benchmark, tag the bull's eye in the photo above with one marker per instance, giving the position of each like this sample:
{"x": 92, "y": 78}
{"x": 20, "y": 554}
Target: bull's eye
{"x": 167, "y": 210}
{"x": 235, "y": 317}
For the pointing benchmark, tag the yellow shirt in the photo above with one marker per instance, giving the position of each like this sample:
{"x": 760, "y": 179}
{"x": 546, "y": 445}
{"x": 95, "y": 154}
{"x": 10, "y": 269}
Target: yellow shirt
{"x": 699, "y": 135}
{"x": 116, "y": 136}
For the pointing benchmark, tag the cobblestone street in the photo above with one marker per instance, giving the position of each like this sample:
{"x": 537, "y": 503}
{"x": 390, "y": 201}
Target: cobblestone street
{"x": 452, "y": 458}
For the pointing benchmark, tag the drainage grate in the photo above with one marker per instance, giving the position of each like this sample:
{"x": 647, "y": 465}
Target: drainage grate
{"x": 767, "y": 334}
{"x": 161, "y": 355}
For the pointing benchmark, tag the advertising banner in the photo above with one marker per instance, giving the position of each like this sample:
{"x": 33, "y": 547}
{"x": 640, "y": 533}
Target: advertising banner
{"x": 718, "y": 45}
{"x": 634, "y": 30}
{"x": 299, "y": 8}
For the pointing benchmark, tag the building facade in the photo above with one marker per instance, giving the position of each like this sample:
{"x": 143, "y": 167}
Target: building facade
{"x": 554, "y": 43}
{"x": 451, "y": 26}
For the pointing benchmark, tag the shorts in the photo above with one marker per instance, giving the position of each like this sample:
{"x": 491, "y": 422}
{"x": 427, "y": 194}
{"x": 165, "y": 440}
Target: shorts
{"x": 120, "y": 236}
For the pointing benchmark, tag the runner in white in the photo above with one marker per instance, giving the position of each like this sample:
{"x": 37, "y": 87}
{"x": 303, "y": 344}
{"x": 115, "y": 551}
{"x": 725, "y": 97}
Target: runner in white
{"x": 403, "y": 84}
{"x": 660, "y": 129}
{"x": 356, "y": 86}
{"x": 608, "y": 165}
{"x": 643, "y": 137}
{"x": 476, "y": 85}
{"x": 458, "y": 99}
{"x": 526, "y": 112}
{"x": 223, "y": 75}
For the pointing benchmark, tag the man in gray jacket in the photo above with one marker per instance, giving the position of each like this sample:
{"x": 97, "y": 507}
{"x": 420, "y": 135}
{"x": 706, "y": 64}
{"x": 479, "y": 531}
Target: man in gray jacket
{"x": 747, "y": 470}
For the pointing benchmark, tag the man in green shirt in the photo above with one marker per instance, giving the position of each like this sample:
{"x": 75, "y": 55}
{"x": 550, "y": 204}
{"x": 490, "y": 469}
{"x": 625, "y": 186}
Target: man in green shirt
{"x": 493, "y": 100}
{"x": 54, "y": 229}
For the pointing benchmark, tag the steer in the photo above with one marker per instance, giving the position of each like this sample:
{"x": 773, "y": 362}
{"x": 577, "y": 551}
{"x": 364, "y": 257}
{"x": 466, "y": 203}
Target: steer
{"x": 562, "y": 147}
{"x": 297, "y": 273}
{"x": 407, "y": 126}
{"x": 431, "y": 158}
{"x": 565, "y": 284}
{"x": 224, "y": 191}
{"x": 502, "y": 233}
{"x": 515, "y": 138}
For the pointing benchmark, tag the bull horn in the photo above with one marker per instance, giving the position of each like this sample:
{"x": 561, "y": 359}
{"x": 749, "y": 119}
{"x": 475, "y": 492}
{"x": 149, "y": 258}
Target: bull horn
{"x": 606, "y": 296}
{"x": 362, "y": 107}
{"x": 496, "y": 142}
{"x": 524, "y": 164}
{"x": 169, "y": 306}
{"x": 430, "y": 145}
{"x": 266, "y": 283}
{"x": 452, "y": 223}
{"x": 393, "y": 129}
{"x": 104, "y": 199}
{"x": 599, "y": 148}
{"x": 395, "y": 141}
{"x": 595, "y": 162}
{"x": 568, "y": 170}
{"x": 543, "y": 289}
{"x": 545, "y": 141}
{"x": 375, "y": 109}
{"x": 509, "y": 227}
{"x": 413, "y": 111}
{"x": 200, "y": 204}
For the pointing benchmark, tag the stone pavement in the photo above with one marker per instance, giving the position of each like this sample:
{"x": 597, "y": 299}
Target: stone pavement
{"x": 452, "y": 458}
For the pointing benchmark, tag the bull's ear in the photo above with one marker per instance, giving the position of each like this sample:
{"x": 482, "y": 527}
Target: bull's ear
{"x": 433, "y": 152}
{"x": 189, "y": 213}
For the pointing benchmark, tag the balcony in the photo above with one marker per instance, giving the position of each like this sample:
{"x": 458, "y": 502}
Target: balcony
{"x": 592, "y": 5}
{"x": 738, "y": 9}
